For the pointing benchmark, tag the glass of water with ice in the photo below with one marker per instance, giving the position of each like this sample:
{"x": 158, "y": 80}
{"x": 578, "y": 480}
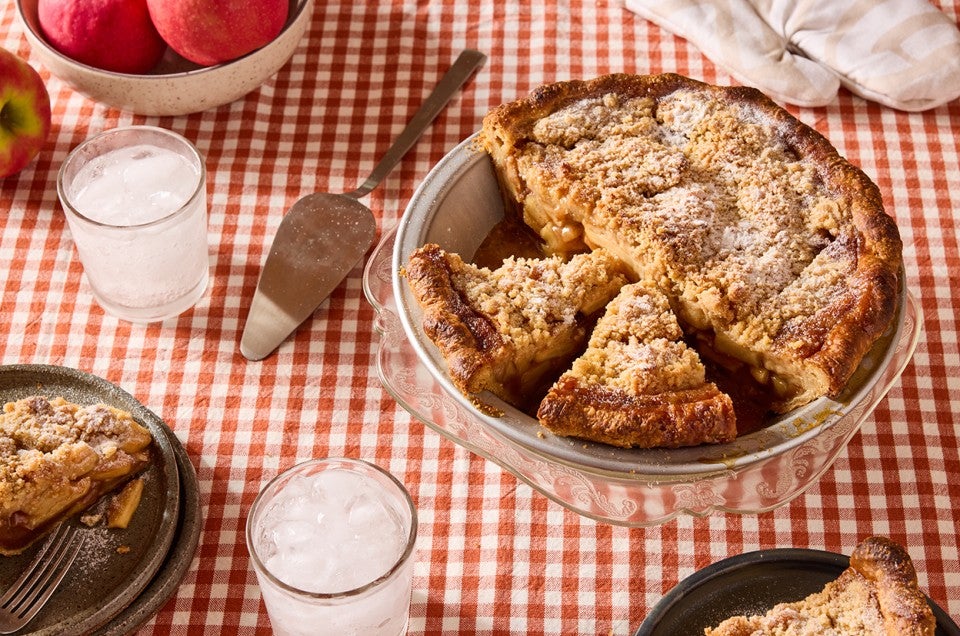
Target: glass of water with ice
{"x": 135, "y": 199}
{"x": 332, "y": 542}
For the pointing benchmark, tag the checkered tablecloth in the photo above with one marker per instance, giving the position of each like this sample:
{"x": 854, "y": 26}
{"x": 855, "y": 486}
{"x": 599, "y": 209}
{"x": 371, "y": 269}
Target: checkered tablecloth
{"x": 494, "y": 557}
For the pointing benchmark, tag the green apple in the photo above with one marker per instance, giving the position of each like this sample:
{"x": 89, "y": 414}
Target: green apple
{"x": 24, "y": 113}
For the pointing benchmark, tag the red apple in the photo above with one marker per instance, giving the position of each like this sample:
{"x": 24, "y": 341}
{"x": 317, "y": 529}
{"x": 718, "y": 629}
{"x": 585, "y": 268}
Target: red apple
{"x": 24, "y": 113}
{"x": 114, "y": 35}
{"x": 213, "y": 31}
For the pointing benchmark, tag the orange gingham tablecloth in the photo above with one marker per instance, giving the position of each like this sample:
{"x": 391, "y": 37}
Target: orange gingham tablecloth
{"x": 494, "y": 557}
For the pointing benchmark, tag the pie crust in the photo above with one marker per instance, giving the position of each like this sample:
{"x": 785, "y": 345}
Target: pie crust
{"x": 57, "y": 459}
{"x": 877, "y": 595}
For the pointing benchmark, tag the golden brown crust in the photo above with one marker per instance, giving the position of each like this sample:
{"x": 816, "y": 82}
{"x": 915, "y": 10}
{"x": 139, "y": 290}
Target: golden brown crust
{"x": 670, "y": 419}
{"x": 468, "y": 341}
{"x": 808, "y": 336}
{"x": 877, "y": 595}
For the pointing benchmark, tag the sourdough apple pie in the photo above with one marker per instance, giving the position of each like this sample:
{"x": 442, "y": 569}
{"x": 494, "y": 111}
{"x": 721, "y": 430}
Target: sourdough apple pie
{"x": 58, "y": 458}
{"x": 772, "y": 254}
{"x": 877, "y": 595}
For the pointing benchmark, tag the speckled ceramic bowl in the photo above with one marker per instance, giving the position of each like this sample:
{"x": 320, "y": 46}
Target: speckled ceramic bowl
{"x": 176, "y": 86}
{"x": 456, "y": 206}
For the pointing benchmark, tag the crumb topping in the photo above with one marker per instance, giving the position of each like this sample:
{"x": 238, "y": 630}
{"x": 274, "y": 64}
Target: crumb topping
{"x": 637, "y": 347}
{"x": 708, "y": 188}
{"x": 531, "y": 300}
{"x": 846, "y": 606}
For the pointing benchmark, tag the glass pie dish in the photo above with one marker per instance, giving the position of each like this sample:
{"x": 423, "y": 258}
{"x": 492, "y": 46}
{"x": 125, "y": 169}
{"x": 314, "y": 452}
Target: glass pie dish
{"x": 456, "y": 206}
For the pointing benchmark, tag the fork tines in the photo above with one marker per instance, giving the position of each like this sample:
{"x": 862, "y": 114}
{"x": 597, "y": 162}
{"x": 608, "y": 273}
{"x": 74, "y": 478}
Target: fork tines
{"x": 31, "y": 591}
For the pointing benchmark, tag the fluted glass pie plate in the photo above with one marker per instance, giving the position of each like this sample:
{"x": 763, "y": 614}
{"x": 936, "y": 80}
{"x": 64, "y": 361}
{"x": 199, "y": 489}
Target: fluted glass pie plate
{"x": 456, "y": 206}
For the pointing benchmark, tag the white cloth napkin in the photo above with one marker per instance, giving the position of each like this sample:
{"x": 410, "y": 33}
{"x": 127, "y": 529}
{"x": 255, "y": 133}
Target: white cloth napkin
{"x": 901, "y": 53}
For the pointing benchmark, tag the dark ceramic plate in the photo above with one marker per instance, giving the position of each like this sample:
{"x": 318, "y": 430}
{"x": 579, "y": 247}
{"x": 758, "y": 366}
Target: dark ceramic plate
{"x": 751, "y": 583}
{"x": 178, "y": 561}
{"x": 114, "y": 566}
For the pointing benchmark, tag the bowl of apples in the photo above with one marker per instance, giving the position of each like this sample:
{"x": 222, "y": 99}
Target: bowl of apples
{"x": 164, "y": 57}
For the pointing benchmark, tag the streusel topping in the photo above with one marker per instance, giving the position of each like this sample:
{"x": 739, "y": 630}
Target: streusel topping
{"x": 528, "y": 300}
{"x": 710, "y": 189}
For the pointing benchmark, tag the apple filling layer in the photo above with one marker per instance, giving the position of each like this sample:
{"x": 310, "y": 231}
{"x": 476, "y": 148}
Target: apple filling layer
{"x": 57, "y": 459}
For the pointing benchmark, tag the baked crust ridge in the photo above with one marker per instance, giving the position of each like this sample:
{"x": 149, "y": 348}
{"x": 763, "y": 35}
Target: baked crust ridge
{"x": 685, "y": 417}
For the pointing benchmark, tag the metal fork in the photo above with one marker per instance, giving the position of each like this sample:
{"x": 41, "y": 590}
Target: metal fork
{"x": 31, "y": 591}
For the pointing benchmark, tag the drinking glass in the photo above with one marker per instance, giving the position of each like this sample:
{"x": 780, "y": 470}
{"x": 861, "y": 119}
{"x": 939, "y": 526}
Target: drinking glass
{"x": 135, "y": 200}
{"x": 331, "y": 542}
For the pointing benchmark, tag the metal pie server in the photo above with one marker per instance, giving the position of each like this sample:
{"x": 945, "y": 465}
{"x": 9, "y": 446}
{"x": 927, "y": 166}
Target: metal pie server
{"x": 323, "y": 236}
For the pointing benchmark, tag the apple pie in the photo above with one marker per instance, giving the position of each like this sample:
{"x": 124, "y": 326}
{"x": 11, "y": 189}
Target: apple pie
{"x": 57, "y": 459}
{"x": 638, "y": 383}
{"x": 877, "y": 595}
{"x": 775, "y": 252}
{"x": 758, "y": 247}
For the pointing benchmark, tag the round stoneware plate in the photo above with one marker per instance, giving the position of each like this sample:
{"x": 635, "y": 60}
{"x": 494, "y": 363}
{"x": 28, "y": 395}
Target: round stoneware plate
{"x": 114, "y": 566}
{"x": 751, "y": 583}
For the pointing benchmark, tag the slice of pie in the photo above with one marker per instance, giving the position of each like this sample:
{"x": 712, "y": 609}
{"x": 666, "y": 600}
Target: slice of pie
{"x": 876, "y": 596}
{"x": 57, "y": 459}
{"x": 776, "y": 253}
{"x": 514, "y": 328}
{"x": 638, "y": 384}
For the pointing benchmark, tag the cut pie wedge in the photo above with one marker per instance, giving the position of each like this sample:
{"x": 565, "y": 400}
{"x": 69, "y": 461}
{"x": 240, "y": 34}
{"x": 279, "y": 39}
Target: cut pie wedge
{"x": 57, "y": 459}
{"x": 514, "y": 328}
{"x": 638, "y": 384}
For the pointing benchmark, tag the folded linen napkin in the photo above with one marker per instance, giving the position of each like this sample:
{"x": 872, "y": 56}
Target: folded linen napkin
{"x": 901, "y": 53}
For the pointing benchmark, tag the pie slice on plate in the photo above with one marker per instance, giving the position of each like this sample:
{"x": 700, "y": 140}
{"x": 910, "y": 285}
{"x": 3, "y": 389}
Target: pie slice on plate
{"x": 877, "y": 595}
{"x": 57, "y": 459}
